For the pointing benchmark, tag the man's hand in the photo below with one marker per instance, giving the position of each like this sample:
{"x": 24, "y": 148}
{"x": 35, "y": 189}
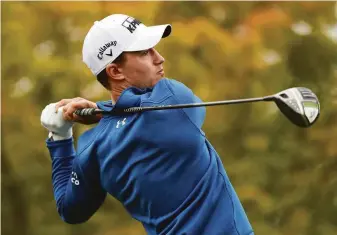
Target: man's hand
{"x": 69, "y": 106}
{"x": 53, "y": 121}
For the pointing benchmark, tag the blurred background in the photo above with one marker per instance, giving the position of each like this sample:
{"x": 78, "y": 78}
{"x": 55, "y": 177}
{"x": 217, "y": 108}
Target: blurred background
{"x": 285, "y": 176}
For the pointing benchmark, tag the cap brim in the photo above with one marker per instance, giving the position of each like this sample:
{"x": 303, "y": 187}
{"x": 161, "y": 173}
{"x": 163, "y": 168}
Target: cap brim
{"x": 149, "y": 37}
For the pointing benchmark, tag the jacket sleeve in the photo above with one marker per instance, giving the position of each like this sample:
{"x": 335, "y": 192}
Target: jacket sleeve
{"x": 76, "y": 181}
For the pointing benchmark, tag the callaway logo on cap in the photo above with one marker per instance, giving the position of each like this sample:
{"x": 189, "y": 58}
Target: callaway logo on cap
{"x": 117, "y": 33}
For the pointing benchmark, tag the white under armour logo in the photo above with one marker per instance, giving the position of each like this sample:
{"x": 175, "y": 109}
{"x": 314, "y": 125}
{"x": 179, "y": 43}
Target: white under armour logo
{"x": 121, "y": 123}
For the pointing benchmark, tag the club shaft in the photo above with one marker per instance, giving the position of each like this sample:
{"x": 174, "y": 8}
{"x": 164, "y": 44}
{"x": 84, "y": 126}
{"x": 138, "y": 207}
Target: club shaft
{"x": 213, "y": 103}
{"x": 85, "y": 112}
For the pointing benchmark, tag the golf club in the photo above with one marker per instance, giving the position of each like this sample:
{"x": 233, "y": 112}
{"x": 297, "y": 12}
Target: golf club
{"x": 300, "y": 105}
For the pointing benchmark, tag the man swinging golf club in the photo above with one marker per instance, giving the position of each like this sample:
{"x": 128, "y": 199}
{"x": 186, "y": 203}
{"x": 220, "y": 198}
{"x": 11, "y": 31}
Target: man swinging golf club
{"x": 158, "y": 164}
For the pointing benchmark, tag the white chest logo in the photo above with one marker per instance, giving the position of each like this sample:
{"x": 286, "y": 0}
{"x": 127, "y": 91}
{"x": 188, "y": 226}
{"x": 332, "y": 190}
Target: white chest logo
{"x": 121, "y": 123}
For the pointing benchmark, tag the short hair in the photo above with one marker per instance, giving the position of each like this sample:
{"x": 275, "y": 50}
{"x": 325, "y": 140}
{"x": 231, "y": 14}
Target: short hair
{"x": 102, "y": 77}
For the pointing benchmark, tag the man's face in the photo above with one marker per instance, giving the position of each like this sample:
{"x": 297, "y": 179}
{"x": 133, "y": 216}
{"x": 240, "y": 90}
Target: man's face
{"x": 143, "y": 69}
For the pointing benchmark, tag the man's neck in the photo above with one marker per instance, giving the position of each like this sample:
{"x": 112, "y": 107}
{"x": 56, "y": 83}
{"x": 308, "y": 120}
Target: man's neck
{"x": 113, "y": 101}
{"x": 115, "y": 96}
{"x": 117, "y": 89}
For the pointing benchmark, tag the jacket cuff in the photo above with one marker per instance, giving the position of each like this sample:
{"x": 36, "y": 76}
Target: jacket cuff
{"x": 61, "y": 148}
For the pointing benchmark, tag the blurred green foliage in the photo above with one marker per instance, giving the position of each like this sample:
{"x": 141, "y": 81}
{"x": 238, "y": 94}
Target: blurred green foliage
{"x": 285, "y": 176}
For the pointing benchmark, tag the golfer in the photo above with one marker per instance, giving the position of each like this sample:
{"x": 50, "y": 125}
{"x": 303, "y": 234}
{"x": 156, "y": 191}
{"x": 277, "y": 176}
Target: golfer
{"x": 158, "y": 164}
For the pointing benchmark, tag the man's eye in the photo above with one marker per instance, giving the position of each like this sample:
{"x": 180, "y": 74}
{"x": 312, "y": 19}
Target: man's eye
{"x": 145, "y": 52}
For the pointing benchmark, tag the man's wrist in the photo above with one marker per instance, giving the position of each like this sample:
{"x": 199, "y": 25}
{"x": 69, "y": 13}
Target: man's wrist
{"x": 55, "y": 137}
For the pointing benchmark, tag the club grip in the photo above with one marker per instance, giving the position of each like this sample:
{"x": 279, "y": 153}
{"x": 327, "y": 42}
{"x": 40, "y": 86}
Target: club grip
{"x": 86, "y": 112}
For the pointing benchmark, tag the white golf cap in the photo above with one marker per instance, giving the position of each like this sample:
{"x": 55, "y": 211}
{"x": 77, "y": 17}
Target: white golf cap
{"x": 117, "y": 33}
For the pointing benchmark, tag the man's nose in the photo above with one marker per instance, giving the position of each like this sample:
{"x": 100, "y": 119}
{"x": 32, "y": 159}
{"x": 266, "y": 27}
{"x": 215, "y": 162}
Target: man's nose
{"x": 158, "y": 59}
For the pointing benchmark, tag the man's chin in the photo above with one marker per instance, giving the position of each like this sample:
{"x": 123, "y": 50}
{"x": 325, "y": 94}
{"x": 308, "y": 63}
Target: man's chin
{"x": 157, "y": 80}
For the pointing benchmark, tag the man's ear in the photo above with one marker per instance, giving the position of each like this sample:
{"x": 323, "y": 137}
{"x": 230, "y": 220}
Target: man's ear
{"x": 114, "y": 71}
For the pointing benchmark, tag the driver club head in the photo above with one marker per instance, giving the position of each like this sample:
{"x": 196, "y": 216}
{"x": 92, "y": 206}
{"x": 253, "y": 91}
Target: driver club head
{"x": 299, "y": 104}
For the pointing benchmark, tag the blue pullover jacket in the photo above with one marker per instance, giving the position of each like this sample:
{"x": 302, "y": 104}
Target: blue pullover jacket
{"x": 158, "y": 164}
